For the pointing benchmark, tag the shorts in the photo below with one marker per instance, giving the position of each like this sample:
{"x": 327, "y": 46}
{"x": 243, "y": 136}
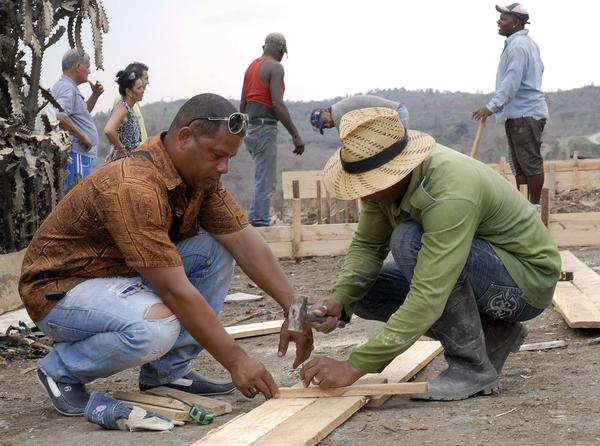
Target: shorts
{"x": 525, "y": 140}
{"x": 79, "y": 167}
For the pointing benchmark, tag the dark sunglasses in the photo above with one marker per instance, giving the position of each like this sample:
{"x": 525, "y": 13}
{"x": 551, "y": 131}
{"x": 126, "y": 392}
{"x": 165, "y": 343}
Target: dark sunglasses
{"x": 236, "y": 122}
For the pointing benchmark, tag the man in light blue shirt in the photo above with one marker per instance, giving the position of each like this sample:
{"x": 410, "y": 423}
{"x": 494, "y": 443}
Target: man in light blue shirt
{"x": 75, "y": 116}
{"x": 519, "y": 101}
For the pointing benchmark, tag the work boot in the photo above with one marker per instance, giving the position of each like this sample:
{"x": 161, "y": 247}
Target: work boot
{"x": 195, "y": 383}
{"x": 68, "y": 399}
{"x": 469, "y": 371}
{"x": 501, "y": 338}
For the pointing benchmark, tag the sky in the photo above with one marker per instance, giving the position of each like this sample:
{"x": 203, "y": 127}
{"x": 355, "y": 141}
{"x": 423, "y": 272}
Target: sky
{"x": 336, "y": 47}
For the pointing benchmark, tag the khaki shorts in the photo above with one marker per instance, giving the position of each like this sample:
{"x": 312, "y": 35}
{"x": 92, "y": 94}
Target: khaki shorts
{"x": 525, "y": 140}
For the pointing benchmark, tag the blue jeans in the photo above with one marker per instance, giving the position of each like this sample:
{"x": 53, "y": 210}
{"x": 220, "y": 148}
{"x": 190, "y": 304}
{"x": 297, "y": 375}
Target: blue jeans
{"x": 496, "y": 293}
{"x": 261, "y": 143}
{"x": 100, "y": 329}
{"x": 79, "y": 167}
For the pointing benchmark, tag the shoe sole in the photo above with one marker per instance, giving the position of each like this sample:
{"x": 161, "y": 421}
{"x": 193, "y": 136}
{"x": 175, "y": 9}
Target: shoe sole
{"x": 66, "y": 414}
{"x": 486, "y": 390}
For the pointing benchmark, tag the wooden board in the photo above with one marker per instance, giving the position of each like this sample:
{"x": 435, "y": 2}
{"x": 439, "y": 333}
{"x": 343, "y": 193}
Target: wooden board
{"x": 407, "y": 365}
{"x": 575, "y": 229}
{"x": 575, "y": 307}
{"x": 173, "y": 414}
{"x": 256, "y": 423}
{"x": 216, "y": 406}
{"x": 354, "y": 390}
{"x": 243, "y": 297}
{"x": 257, "y": 329}
{"x": 316, "y": 418}
{"x": 10, "y": 271}
{"x": 155, "y": 400}
{"x": 578, "y": 302}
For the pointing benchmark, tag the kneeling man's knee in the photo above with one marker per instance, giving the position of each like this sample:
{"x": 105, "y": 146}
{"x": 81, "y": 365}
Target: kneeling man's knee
{"x": 405, "y": 241}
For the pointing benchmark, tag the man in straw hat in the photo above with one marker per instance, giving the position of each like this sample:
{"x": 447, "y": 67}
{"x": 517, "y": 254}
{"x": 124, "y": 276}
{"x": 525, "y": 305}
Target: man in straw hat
{"x": 262, "y": 100}
{"x": 519, "y": 101}
{"x": 471, "y": 257}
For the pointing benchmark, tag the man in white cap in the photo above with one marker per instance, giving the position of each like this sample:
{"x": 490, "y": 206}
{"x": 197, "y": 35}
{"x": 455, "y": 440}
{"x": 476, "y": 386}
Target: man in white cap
{"x": 519, "y": 101}
{"x": 262, "y": 100}
{"x": 471, "y": 257}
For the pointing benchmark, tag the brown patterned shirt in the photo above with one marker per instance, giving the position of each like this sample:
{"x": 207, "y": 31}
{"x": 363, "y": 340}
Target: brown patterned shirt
{"x": 118, "y": 219}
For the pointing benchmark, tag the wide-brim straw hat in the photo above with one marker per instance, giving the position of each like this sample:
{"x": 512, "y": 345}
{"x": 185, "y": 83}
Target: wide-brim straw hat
{"x": 377, "y": 152}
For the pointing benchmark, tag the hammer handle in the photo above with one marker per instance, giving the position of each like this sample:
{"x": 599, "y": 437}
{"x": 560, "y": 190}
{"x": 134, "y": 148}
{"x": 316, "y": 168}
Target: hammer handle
{"x": 314, "y": 318}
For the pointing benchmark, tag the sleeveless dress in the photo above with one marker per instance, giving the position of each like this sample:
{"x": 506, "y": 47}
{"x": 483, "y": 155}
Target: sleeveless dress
{"x": 129, "y": 133}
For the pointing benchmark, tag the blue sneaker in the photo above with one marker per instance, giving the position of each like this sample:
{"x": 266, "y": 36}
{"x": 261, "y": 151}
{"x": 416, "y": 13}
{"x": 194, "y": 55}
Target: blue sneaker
{"x": 68, "y": 399}
{"x": 197, "y": 384}
{"x": 110, "y": 413}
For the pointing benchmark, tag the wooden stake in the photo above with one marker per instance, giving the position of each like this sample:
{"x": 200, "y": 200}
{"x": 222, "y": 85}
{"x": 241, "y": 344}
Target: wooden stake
{"x": 545, "y": 211}
{"x": 478, "y": 135}
{"x": 319, "y": 204}
{"x": 296, "y": 209}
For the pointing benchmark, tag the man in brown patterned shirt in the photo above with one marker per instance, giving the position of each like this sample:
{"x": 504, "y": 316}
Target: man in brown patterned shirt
{"x": 134, "y": 263}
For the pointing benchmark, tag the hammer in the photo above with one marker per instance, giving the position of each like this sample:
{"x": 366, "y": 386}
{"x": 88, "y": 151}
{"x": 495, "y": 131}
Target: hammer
{"x": 298, "y": 315}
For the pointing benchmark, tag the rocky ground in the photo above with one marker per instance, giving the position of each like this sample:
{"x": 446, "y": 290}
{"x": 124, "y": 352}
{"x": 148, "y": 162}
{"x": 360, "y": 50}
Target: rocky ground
{"x": 547, "y": 397}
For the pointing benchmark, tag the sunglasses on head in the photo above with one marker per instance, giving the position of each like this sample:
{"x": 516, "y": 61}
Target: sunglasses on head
{"x": 236, "y": 122}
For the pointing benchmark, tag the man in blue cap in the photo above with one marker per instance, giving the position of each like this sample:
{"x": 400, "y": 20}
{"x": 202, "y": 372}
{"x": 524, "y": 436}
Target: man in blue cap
{"x": 329, "y": 117}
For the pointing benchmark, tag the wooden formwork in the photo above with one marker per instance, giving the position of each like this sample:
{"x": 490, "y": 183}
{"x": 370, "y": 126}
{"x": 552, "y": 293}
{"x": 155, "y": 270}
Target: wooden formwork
{"x": 297, "y": 240}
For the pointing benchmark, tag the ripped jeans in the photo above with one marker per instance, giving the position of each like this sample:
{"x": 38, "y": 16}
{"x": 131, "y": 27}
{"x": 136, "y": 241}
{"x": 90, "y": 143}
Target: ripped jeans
{"x": 496, "y": 293}
{"x": 100, "y": 329}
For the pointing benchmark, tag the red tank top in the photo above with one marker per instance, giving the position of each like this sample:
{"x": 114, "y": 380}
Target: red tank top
{"x": 256, "y": 90}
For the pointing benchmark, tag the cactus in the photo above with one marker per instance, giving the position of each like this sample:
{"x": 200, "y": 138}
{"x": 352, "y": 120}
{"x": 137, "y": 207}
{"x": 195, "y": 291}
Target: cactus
{"x": 32, "y": 165}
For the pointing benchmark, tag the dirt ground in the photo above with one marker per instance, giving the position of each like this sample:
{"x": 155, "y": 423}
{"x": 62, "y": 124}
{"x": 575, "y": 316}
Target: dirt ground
{"x": 547, "y": 397}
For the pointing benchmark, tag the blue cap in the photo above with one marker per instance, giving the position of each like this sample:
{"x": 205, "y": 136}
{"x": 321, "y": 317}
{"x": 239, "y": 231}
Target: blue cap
{"x": 316, "y": 120}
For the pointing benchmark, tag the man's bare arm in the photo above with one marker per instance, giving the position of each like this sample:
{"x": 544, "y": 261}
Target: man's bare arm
{"x": 256, "y": 259}
{"x": 275, "y": 75}
{"x": 196, "y": 315}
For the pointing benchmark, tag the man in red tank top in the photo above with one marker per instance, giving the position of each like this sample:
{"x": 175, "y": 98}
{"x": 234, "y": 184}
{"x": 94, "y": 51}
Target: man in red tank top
{"x": 262, "y": 100}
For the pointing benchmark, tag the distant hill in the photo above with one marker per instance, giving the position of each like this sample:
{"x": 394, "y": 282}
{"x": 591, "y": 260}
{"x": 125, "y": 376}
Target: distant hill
{"x": 574, "y": 114}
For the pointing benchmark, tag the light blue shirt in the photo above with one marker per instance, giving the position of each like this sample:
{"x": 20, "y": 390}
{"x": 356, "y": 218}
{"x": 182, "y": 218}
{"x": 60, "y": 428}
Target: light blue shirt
{"x": 69, "y": 97}
{"x": 519, "y": 80}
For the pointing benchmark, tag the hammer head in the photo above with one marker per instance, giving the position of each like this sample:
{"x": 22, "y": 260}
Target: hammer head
{"x": 297, "y": 314}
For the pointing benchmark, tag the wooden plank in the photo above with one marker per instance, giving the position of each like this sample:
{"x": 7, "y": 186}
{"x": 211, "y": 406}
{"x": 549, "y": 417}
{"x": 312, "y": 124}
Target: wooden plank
{"x": 307, "y": 426}
{"x": 10, "y": 272}
{"x": 256, "y": 423}
{"x": 584, "y": 277}
{"x": 354, "y": 390}
{"x": 314, "y": 423}
{"x": 216, "y": 406}
{"x": 155, "y": 400}
{"x": 575, "y": 229}
{"x": 257, "y": 329}
{"x": 173, "y": 414}
{"x": 542, "y": 346}
{"x": 574, "y": 307}
{"x": 578, "y": 301}
{"x": 243, "y": 297}
{"x": 407, "y": 365}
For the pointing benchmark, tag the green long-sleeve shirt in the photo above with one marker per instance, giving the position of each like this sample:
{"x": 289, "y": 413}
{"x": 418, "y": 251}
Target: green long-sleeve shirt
{"x": 455, "y": 199}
